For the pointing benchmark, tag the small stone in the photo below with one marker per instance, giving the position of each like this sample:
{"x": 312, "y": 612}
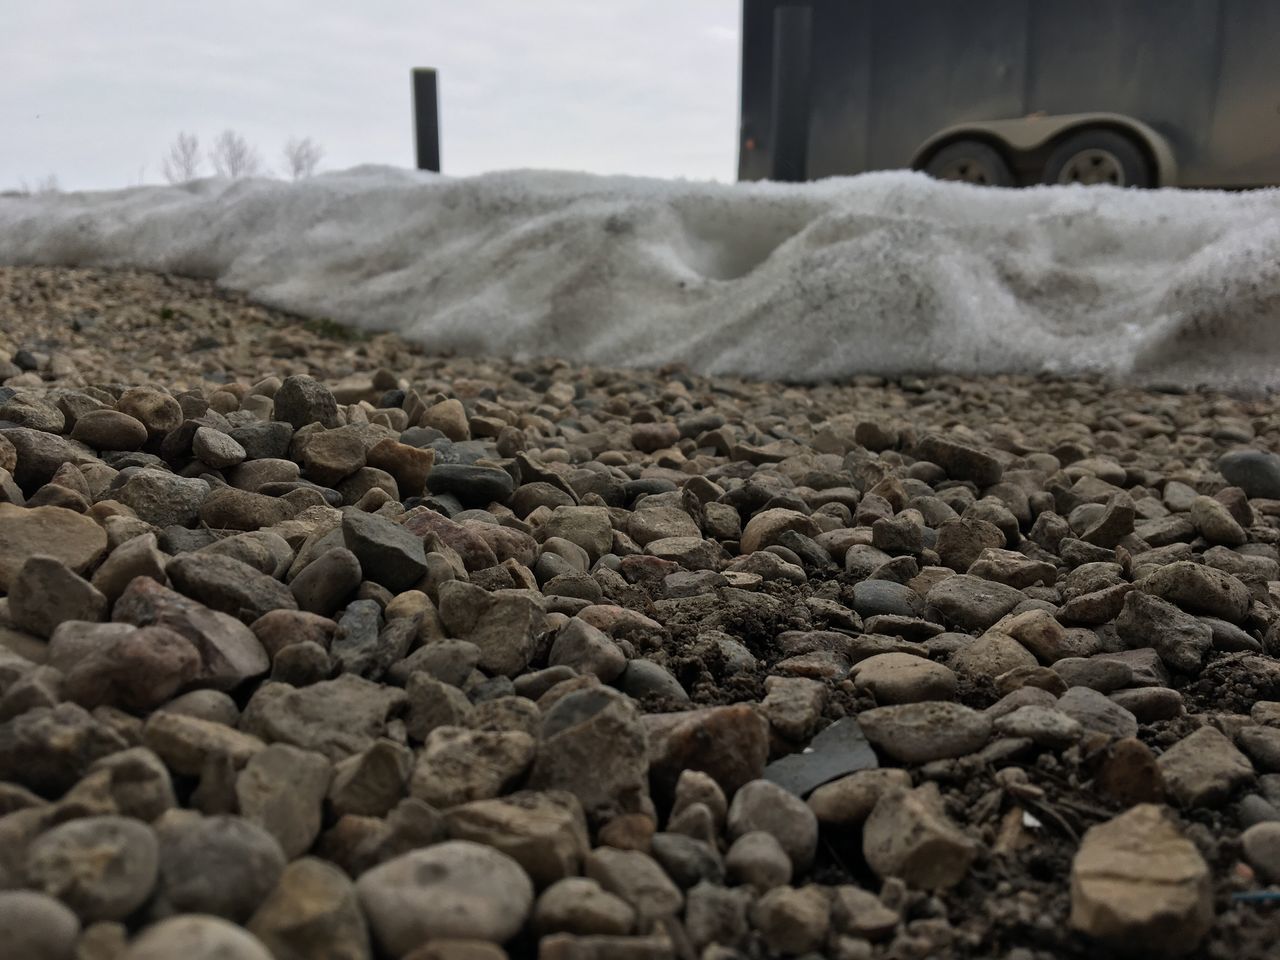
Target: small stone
{"x": 587, "y": 650}
{"x": 103, "y": 868}
{"x": 458, "y": 765}
{"x": 35, "y": 926}
{"x": 138, "y": 557}
{"x": 163, "y": 499}
{"x": 1044, "y": 726}
{"x": 229, "y": 652}
{"x": 475, "y": 486}
{"x": 312, "y": 912}
{"x": 372, "y": 782}
{"x": 1254, "y": 471}
{"x": 196, "y": 938}
{"x": 767, "y": 526}
{"x": 302, "y": 400}
{"x": 546, "y": 833}
{"x": 1198, "y": 588}
{"x": 1204, "y": 769}
{"x": 502, "y": 624}
{"x": 762, "y": 805}
{"x": 961, "y": 461}
{"x": 330, "y": 456}
{"x": 758, "y": 859}
{"x": 229, "y": 585}
{"x": 223, "y": 865}
{"x": 67, "y": 536}
{"x": 593, "y": 745}
{"x": 228, "y": 508}
{"x": 327, "y": 582}
{"x": 46, "y": 592}
{"x": 449, "y": 417}
{"x": 109, "y": 430}
{"x": 921, "y": 732}
{"x": 48, "y": 749}
{"x": 156, "y": 410}
{"x": 581, "y": 906}
{"x": 1181, "y": 640}
{"x": 1261, "y": 846}
{"x": 991, "y": 655}
{"x": 122, "y": 666}
{"x": 971, "y": 603}
{"x": 1137, "y": 879}
{"x": 908, "y": 835}
{"x": 453, "y": 889}
{"x": 637, "y": 879}
{"x": 1130, "y": 774}
{"x": 894, "y": 678}
{"x": 216, "y": 449}
{"x": 793, "y": 921}
{"x": 282, "y": 790}
{"x": 730, "y": 744}
{"x": 336, "y": 718}
{"x": 409, "y": 465}
{"x": 1094, "y": 711}
{"x": 1096, "y": 673}
{"x": 850, "y": 800}
{"x": 1215, "y": 523}
{"x": 187, "y": 744}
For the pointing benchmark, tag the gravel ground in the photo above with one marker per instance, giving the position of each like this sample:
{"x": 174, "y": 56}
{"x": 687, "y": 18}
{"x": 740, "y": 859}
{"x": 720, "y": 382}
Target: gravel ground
{"x": 324, "y": 646}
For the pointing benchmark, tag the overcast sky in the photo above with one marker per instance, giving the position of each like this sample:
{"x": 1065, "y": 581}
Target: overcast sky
{"x": 93, "y": 91}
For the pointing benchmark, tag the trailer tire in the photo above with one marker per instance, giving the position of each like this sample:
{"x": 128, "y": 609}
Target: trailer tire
{"x": 970, "y": 161}
{"x": 1098, "y": 157}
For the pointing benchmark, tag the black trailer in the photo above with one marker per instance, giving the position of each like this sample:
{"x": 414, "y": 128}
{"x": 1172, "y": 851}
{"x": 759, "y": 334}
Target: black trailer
{"x": 1013, "y": 92}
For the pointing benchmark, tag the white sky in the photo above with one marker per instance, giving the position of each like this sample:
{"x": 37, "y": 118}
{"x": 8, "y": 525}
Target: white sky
{"x": 93, "y": 91}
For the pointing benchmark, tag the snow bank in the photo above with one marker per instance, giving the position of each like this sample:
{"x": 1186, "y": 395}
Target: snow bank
{"x": 886, "y": 273}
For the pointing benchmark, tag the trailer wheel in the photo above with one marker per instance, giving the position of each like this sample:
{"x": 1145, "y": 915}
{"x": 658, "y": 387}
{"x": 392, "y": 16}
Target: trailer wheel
{"x": 1098, "y": 157}
{"x": 970, "y": 161}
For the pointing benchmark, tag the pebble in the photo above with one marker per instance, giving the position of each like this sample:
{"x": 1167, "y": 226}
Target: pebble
{"x": 103, "y": 868}
{"x": 312, "y": 912}
{"x": 921, "y": 732}
{"x": 764, "y": 806}
{"x": 45, "y": 592}
{"x": 55, "y": 532}
{"x": 1261, "y": 846}
{"x": 219, "y": 865}
{"x": 454, "y": 889}
{"x": 579, "y": 905}
{"x": 1095, "y": 711}
{"x": 35, "y": 926}
{"x": 1257, "y": 472}
{"x": 637, "y": 879}
{"x": 196, "y": 938}
{"x": 301, "y": 400}
{"x": 793, "y": 920}
{"x": 109, "y": 430}
{"x": 1204, "y": 769}
{"x": 908, "y": 835}
{"x": 1137, "y": 879}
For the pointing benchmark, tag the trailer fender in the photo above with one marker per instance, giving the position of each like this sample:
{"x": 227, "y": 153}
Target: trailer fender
{"x": 1027, "y": 134}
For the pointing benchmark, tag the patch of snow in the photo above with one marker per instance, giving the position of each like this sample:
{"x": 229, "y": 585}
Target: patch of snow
{"x": 886, "y": 273}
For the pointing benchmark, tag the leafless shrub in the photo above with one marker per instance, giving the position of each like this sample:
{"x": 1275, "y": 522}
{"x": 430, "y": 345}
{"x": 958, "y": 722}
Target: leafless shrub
{"x": 233, "y": 157}
{"x": 182, "y": 162}
{"x": 302, "y": 156}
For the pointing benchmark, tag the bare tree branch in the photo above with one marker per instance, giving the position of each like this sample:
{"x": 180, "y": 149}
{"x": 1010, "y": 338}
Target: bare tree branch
{"x": 182, "y": 162}
{"x": 233, "y": 157}
{"x": 301, "y": 157}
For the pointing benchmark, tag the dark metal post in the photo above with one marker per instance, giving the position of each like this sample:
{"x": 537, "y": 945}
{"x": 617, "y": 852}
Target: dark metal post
{"x": 792, "y": 35}
{"x": 426, "y": 118}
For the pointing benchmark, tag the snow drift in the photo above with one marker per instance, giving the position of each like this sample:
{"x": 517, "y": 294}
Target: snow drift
{"x": 886, "y": 273}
